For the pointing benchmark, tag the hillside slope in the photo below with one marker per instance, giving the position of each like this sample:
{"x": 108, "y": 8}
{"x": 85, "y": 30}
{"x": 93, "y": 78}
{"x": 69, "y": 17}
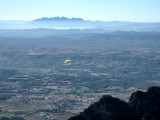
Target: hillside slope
{"x": 141, "y": 106}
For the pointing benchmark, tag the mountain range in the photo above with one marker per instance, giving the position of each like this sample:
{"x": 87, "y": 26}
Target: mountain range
{"x": 79, "y": 23}
{"x": 58, "y": 19}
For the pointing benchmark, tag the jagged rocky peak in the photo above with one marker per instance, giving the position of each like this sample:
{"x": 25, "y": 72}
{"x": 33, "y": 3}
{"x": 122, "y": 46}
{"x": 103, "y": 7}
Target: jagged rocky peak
{"x": 141, "y": 106}
{"x": 107, "y": 108}
{"x": 147, "y": 104}
{"x": 58, "y": 19}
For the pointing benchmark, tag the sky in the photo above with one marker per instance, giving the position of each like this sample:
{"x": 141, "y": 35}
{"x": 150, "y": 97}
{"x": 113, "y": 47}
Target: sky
{"x": 104, "y": 10}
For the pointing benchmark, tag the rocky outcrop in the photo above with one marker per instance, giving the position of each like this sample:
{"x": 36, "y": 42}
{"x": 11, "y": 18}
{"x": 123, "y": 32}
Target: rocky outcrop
{"x": 146, "y": 104}
{"x": 108, "y": 108}
{"x": 141, "y": 106}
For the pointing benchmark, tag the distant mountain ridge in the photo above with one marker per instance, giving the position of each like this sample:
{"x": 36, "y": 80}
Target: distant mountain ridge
{"x": 79, "y": 23}
{"x": 58, "y": 19}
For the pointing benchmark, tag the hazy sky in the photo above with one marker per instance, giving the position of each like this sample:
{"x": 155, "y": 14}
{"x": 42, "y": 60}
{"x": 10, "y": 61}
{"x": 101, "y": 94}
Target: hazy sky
{"x": 106, "y": 10}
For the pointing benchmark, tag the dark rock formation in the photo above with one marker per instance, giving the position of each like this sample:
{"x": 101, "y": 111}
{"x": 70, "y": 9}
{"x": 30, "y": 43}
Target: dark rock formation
{"x": 141, "y": 106}
{"x": 147, "y": 104}
{"x": 108, "y": 108}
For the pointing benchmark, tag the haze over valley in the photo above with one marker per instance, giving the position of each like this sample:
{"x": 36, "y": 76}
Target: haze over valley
{"x": 79, "y": 60}
{"x": 79, "y": 23}
{"x": 36, "y": 83}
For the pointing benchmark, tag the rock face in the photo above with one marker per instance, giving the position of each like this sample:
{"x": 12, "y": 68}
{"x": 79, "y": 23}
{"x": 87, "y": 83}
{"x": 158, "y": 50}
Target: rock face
{"x": 146, "y": 104}
{"x": 141, "y": 106}
{"x": 108, "y": 108}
